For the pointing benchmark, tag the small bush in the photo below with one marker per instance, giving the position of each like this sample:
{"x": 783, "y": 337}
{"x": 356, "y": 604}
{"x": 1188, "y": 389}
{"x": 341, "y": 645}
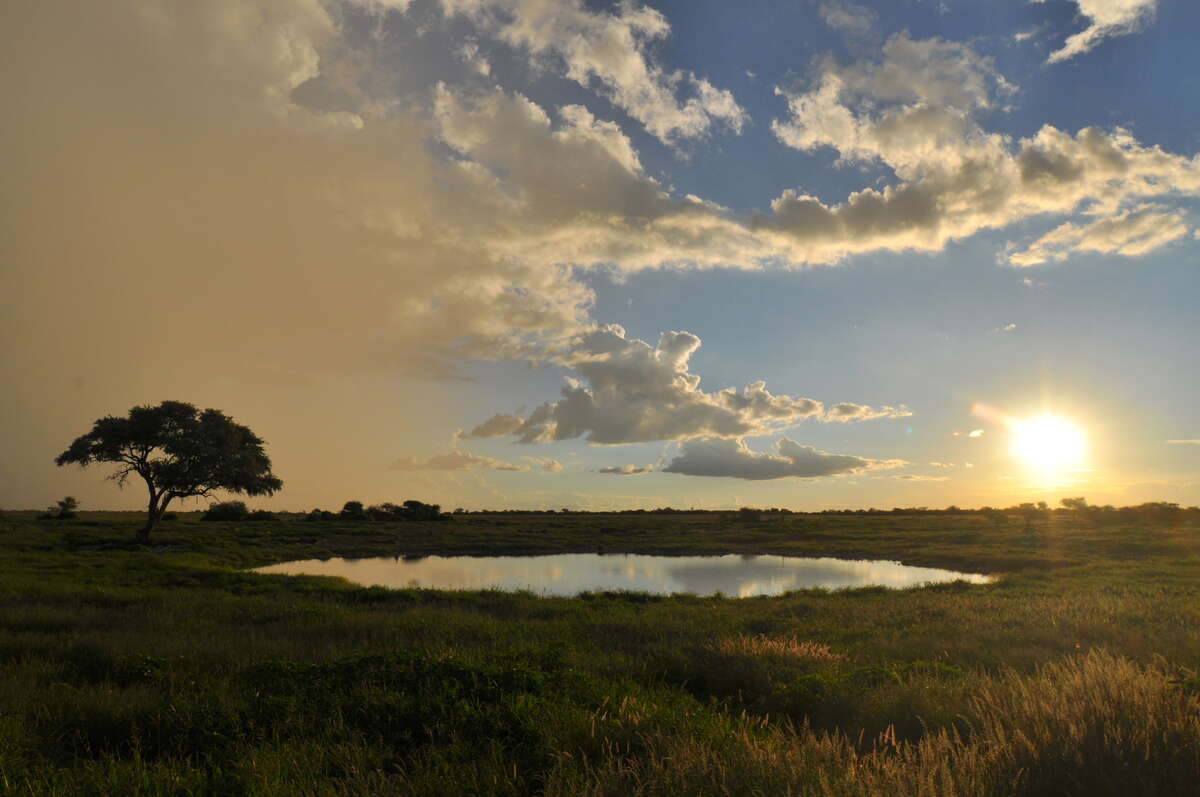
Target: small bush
{"x": 261, "y": 514}
{"x": 228, "y": 510}
{"x": 61, "y": 510}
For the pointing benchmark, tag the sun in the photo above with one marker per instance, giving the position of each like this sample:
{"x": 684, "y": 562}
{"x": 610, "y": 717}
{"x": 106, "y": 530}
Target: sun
{"x": 1048, "y": 442}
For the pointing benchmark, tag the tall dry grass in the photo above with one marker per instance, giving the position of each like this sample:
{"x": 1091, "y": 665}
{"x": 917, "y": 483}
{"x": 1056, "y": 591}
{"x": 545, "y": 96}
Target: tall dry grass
{"x": 1095, "y": 724}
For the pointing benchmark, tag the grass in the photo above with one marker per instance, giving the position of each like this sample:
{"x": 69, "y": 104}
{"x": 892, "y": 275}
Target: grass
{"x": 170, "y": 670}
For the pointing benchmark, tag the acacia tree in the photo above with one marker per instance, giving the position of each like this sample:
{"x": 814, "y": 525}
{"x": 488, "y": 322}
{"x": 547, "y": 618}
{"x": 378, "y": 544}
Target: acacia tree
{"x": 180, "y": 451}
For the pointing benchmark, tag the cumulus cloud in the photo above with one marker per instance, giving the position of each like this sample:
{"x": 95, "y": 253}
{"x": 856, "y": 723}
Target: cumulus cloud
{"x": 351, "y": 244}
{"x": 628, "y": 391}
{"x": 355, "y": 246}
{"x": 1132, "y": 233}
{"x": 733, "y": 458}
{"x": 915, "y": 110}
{"x": 603, "y": 209}
{"x": 609, "y": 51}
{"x": 464, "y": 254}
{"x": 1105, "y": 18}
{"x": 627, "y": 470}
{"x": 455, "y": 460}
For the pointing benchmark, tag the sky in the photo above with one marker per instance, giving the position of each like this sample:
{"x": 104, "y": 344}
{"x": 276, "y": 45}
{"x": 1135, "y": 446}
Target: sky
{"x": 595, "y": 255}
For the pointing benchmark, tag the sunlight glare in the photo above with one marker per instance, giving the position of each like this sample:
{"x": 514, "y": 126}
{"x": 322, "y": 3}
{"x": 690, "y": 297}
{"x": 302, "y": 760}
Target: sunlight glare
{"x": 1048, "y": 442}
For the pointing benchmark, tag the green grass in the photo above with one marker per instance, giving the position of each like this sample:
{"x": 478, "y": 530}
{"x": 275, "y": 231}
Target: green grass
{"x": 170, "y": 670}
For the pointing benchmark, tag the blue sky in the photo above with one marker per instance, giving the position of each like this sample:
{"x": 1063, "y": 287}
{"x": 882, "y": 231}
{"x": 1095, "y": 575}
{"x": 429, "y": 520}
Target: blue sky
{"x": 479, "y": 251}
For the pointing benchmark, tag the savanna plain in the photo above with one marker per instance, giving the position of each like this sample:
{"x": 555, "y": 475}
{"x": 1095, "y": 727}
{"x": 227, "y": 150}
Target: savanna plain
{"x": 170, "y": 669}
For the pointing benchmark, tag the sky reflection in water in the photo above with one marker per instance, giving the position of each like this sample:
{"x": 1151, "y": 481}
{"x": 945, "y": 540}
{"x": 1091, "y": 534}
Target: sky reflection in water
{"x": 569, "y": 574}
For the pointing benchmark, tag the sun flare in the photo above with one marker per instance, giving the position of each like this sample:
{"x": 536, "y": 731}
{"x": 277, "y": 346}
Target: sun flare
{"x": 1048, "y": 442}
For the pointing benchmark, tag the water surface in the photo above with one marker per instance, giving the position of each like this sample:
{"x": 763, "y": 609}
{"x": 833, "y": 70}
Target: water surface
{"x": 570, "y": 574}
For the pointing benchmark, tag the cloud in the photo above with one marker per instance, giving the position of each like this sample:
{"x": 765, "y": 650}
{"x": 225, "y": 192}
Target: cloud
{"x": 1132, "y": 233}
{"x": 455, "y": 460}
{"x": 253, "y": 143}
{"x": 470, "y": 54}
{"x": 732, "y": 458}
{"x": 461, "y": 249}
{"x": 1106, "y": 18}
{"x": 603, "y": 210}
{"x": 846, "y": 412}
{"x": 1184, "y": 442}
{"x": 912, "y": 477}
{"x": 975, "y": 433}
{"x": 627, "y": 470}
{"x": 916, "y": 111}
{"x": 631, "y": 392}
{"x": 857, "y": 22}
{"x": 609, "y": 51}
{"x": 499, "y": 425}
{"x": 545, "y": 463}
{"x": 203, "y": 160}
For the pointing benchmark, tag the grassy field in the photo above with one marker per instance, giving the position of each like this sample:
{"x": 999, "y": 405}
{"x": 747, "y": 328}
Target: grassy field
{"x": 168, "y": 670}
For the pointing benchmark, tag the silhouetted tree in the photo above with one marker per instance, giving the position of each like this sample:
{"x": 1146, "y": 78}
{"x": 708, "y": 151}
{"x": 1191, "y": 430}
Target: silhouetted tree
{"x": 1031, "y": 512}
{"x": 354, "y": 510}
{"x": 61, "y": 510}
{"x": 179, "y": 451}
{"x": 415, "y": 510}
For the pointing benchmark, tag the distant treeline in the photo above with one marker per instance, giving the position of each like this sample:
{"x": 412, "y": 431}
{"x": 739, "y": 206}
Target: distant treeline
{"x": 354, "y": 510}
{"x": 1030, "y": 511}
{"x": 1154, "y": 511}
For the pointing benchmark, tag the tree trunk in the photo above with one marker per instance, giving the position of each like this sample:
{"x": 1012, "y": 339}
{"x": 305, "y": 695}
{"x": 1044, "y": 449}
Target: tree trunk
{"x": 143, "y": 535}
{"x": 153, "y": 515}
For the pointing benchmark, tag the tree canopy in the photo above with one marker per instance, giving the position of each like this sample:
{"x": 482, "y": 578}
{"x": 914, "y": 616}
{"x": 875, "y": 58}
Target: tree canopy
{"x": 179, "y": 451}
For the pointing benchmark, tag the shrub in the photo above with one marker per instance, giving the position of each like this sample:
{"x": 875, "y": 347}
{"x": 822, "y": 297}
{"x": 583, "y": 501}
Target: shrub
{"x": 386, "y": 511}
{"x": 261, "y": 514}
{"x": 354, "y": 510}
{"x": 228, "y": 510}
{"x": 998, "y": 517}
{"x": 61, "y": 510}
